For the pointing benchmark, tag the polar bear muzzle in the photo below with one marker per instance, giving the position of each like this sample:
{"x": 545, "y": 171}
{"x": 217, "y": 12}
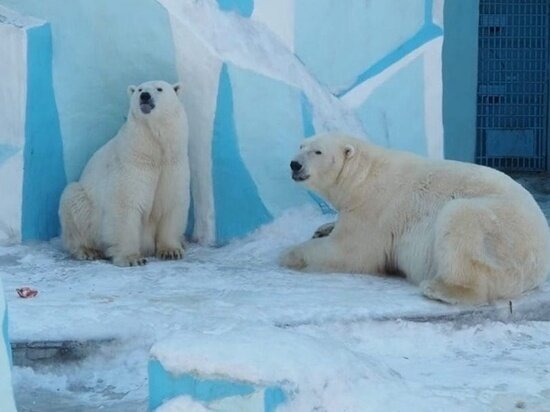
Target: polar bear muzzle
{"x": 146, "y": 102}
{"x": 298, "y": 171}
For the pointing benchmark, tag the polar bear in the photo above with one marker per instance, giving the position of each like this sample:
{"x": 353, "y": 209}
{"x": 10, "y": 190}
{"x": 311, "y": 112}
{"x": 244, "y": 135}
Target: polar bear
{"x": 132, "y": 199}
{"x": 467, "y": 234}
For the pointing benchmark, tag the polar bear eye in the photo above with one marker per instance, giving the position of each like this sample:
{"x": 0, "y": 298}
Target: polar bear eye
{"x": 159, "y": 89}
{"x": 140, "y": 89}
{"x": 318, "y": 152}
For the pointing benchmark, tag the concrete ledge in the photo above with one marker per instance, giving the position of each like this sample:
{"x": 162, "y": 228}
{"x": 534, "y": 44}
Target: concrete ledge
{"x": 33, "y": 353}
{"x": 7, "y": 403}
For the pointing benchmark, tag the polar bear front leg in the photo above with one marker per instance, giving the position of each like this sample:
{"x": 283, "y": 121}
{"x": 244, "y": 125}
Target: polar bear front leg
{"x": 170, "y": 230}
{"x": 320, "y": 254}
{"x": 125, "y": 246}
{"x": 169, "y": 244}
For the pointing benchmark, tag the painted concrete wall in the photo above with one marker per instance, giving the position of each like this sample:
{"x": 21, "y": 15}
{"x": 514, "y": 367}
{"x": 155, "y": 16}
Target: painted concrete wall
{"x": 31, "y": 159}
{"x": 100, "y": 48}
{"x": 460, "y": 51}
{"x": 12, "y": 117}
{"x": 257, "y": 79}
{"x": 7, "y": 403}
{"x": 215, "y": 393}
{"x": 352, "y": 43}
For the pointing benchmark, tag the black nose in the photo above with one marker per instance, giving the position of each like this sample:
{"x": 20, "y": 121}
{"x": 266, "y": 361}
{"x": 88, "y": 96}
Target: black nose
{"x": 145, "y": 96}
{"x": 295, "y": 166}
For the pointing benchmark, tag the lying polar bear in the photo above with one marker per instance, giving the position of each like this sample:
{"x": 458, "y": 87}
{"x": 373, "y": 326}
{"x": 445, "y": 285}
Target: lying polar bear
{"x": 132, "y": 199}
{"x": 465, "y": 233}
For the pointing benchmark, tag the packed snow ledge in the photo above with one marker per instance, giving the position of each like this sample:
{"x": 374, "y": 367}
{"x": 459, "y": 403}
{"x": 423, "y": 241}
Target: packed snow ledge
{"x": 340, "y": 342}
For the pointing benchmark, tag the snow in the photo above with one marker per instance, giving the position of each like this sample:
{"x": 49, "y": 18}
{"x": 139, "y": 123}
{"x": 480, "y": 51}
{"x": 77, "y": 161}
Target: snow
{"x": 337, "y": 342}
{"x": 182, "y": 404}
{"x": 249, "y": 403}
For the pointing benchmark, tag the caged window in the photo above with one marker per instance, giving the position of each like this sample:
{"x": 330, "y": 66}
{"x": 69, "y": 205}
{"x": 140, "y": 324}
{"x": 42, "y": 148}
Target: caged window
{"x": 512, "y": 95}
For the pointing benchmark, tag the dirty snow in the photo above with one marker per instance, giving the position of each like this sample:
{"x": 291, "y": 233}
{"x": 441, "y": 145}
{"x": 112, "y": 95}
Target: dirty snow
{"x": 341, "y": 342}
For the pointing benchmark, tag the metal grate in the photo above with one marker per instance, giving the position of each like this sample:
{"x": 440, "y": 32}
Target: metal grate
{"x": 512, "y": 97}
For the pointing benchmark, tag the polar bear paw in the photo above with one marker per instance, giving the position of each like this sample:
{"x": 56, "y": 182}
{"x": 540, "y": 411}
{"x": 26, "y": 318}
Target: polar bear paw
{"x": 324, "y": 230}
{"x": 86, "y": 253}
{"x": 293, "y": 259}
{"x": 131, "y": 260}
{"x": 174, "y": 253}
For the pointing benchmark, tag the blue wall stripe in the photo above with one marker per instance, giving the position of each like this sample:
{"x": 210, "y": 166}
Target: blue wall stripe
{"x": 460, "y": 54}
{"x": 164, "y": 386}
{"x": 309, "y": 130}
{"x": 243, "y": 7}
{"x": 307, "y": 116}
{"x": 239, "y": 209}
{"x": 428, "y": 12}
{"x": 428, "y": 32}
{"x": 44, "y": 173}
{"x": 5, "y": 335}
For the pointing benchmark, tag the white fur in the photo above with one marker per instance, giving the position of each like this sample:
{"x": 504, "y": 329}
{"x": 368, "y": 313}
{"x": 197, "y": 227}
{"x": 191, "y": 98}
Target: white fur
{"x": 464, "y": 233}
{"x": 132, "y": 199}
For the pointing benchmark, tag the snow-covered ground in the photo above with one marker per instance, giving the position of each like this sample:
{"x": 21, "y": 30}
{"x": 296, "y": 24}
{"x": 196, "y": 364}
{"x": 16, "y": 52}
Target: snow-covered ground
{"x": 353, "y": 343}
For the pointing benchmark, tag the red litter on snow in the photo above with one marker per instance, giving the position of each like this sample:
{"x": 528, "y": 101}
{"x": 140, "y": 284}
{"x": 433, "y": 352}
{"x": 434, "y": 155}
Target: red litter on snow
{"x": 26, "y": 292}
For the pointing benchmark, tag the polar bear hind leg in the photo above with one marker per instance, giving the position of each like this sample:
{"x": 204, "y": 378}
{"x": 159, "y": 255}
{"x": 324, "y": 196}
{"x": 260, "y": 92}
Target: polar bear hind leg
{"x": 76, "y": 214}
{"x": 469, "y": 269}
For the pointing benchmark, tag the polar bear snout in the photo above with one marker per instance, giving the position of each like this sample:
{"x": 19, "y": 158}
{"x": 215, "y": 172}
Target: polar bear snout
{"x": 295, "y": 166}
{"x": 298, "y": 171}
{"x": 146, "y": 102}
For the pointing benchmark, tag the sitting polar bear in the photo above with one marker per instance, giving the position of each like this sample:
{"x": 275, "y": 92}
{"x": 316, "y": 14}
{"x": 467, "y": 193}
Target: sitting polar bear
{"x": 465, "y": 233}
{"x": 132, "y": 199}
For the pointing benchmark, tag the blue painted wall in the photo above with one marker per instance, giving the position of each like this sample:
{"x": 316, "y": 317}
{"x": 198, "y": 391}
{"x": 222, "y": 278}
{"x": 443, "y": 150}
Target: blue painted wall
{"x": 460, "y": 50}
{"x": 429, "y": 31}
{"x": 100, "y": 47}
{"x": 164, "y": 386}
{"x": 309, "y": 130}
{"x": 358, "y": 36}
{"x": 269, "y": 121}
{"x": 393, "y": 116}
{"x": 7, "y": 403}
{"x": 44, "y": 172}
{"x": 258, "y": 127}
{"x": 242, "y": 7}
{"x": 239, "y": 209}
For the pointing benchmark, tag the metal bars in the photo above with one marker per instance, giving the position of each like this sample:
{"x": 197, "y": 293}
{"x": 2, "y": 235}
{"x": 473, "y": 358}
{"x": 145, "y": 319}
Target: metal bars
{"x": 512, "y": 97}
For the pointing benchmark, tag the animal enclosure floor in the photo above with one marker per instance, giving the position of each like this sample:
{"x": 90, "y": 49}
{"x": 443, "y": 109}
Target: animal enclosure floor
{"x": 438, "y": 355}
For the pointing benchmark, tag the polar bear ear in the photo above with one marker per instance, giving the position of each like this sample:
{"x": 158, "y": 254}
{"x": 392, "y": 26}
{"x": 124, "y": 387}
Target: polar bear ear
{"x": 131, "y": 90}
{"x": 177, "y": 88}
{"x": 349, "y": 151}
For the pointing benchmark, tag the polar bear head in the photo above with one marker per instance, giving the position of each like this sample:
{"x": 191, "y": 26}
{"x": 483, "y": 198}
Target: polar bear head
{"x": 327, "y": 160}
{"x": 154, "y": 99}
